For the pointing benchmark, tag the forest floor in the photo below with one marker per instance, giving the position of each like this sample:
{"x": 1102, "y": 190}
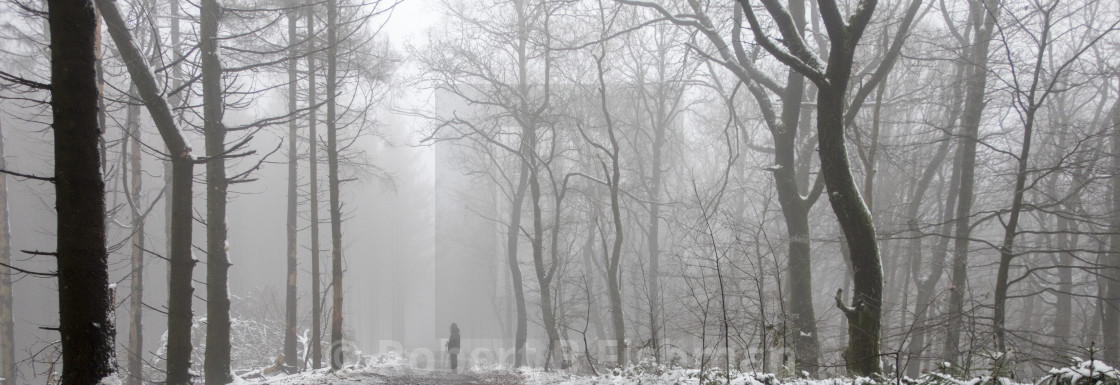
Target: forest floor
{"x": 393, "y": 370}
{"x": 397, "y": 376}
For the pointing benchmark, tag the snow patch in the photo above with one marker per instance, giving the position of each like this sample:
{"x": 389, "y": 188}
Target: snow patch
{"x": 110, "y": 379}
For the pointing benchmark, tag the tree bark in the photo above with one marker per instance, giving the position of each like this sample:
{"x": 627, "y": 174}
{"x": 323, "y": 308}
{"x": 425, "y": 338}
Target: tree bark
{"x": 1063, "y": 303}
{"x": 175, "y": 100}
{"x": 544, "y": 273}
{"x": 136, "y": 295}
{"x": 865, "y": 314}
{"x": 217, "y": 360}
{"x": 1006, "y": 249}
{"x": 290, "y": 303}
{"x": 313, "y": 193}
{"x": 653, "y": 242}
{"x": 337, "y": 358}
{"x": 512, "y": 233}
{"x": 795, "y": 206}
{"x": 7, "y": 322}
{"x": 181, "y": 291}
{"x": 84, "y": 296}
{"x": 795, "y": 212}
{"x": 1110, "y": 321}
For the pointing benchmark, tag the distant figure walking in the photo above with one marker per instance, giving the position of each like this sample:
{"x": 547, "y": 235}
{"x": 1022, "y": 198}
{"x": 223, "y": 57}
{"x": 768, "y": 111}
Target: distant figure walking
{"x": 453, "y": 347}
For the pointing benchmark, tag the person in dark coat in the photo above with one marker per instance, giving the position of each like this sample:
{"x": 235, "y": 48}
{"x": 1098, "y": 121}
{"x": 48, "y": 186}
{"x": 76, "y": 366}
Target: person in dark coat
{"x": 453, "y": 347}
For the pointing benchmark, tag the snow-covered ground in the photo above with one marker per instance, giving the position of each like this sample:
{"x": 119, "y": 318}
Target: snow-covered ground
{"x": 395, "y": 370}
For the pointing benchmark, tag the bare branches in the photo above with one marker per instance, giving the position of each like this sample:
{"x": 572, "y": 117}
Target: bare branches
{"x": 5, "y": 76}
{"x": 28, "y": 176}
{"x": 803, "y": 63}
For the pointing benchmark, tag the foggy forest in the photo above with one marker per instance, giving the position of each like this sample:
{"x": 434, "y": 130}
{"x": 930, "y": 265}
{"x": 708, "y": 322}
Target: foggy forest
{"x": 751, "y": 192}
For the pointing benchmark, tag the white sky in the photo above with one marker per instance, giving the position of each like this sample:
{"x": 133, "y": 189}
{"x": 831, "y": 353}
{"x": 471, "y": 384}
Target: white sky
{"x": 410, "y": 21}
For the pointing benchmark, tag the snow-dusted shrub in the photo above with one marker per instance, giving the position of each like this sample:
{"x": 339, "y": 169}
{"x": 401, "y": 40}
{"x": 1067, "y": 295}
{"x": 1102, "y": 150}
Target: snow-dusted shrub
{"x": 1092, "y": 372}
{"x": 256, "y": 333}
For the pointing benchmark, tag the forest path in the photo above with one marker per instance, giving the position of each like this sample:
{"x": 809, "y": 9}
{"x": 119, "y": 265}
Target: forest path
{"x": 396, "y": 376}
{"x": 429, "y": 378}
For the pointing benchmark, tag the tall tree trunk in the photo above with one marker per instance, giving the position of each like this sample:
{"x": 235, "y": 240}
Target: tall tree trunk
{"x": 1110, "y": 320}
{"x": 290, "y": 303}
{"x": 1063, "y": 303}
{"x": 1028, "y": 103}
{"x": 614, "y": 273}
{"x": 512, "y": 232}
{"x": 795, "y": 212}
{"x": 528, "y": 117}
{"x": 332, "y": 170}
{"x": 544, "y": 276}
{"x": 590, "y": 270}
{"x": 1006, "y": 250}
{"x": 136, "y": 294}
{"x": 84, "y": 297}
{"x": 975, "y": 85}
{"x": 654, "y": 244}
{"x": 653, "y": 237}
{"x": 313, "y": 192}
{"x": 180, "y": 292}
{"x": 175, "y": 100}
{"x": 864, "y": 316}
{"x": 556, "y": 313}
{"x": 7, "y": 322}
{"x": 217, "y": 360}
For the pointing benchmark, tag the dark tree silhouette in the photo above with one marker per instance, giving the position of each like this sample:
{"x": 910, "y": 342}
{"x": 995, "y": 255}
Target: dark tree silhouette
{"x": 84, "y": 296}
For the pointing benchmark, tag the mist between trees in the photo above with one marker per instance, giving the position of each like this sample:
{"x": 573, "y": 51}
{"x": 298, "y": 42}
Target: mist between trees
{"x": 810, "y": 188}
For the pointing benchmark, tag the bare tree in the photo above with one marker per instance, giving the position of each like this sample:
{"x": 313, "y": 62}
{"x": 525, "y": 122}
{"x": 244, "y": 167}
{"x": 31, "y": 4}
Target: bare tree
{"x": 1029, "y": 97}
{"x": 864, "y": 316}
{"x": 522, "y": 99}
{"x": 182, "y": 165}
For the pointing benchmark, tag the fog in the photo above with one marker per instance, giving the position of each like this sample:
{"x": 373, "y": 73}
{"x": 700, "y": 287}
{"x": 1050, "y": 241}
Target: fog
{"x": 813, "y": 189}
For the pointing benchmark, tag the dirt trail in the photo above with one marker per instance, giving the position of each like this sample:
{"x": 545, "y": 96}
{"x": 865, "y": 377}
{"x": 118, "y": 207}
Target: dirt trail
{"x": 416, "y": 377}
